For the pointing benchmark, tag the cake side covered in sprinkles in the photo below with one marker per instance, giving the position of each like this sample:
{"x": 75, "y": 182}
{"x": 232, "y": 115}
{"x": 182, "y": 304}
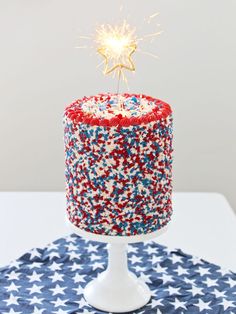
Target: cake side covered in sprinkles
{"x": 118, "y": 151}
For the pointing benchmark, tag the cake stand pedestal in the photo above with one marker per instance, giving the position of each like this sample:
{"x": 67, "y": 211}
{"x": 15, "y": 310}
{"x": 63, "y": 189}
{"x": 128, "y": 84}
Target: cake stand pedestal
{"x": 117, "y": 289}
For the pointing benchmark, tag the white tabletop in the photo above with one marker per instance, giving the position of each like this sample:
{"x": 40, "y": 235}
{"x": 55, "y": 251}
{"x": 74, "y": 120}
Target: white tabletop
{"x": 203, "y": 224}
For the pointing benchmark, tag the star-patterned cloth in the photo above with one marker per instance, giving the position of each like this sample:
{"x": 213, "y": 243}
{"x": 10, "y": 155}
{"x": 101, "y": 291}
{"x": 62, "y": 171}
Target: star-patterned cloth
{"x": 51, "y": 280}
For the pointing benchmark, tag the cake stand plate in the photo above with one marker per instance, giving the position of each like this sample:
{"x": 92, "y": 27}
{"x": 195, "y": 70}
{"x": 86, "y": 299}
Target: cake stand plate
{"x": 117, "y": 239}
{"x": 116, "y": 289}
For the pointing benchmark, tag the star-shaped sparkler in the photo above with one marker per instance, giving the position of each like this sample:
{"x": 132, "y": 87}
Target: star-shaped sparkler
{"x": 116, "y": 44}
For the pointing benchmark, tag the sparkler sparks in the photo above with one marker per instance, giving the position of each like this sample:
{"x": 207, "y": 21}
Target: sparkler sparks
{"x": 117, "y": 44}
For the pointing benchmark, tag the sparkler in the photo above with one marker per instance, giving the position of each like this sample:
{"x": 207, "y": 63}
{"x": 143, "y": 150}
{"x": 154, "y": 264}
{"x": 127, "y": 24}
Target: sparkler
{"x": 117, "y": 44}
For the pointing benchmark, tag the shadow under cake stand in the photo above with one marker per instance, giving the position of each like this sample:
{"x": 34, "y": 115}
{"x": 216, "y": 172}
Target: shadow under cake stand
{"x": 117, "y": 289}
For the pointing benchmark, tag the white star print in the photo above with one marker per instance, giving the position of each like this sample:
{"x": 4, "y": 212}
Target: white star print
{"x": 79, "y": 278}
{"x": 73, "y": 255}
{"x": 202, "y": 305}
{"x": 94, "y": 257}
{"x": 148, "y": 242}
{"x": 181, "y": 271}
{"x": 160, "y": 269}
{"x": 58, "y": 290}
{"x": 35, "y": 265}
{"x": 55, "y": 266}
{"x": 138, "y": 268}
{"x": 226, "y": 304}
{"x": 59, "y": 302}
{"x": 156, "y": 259}
{"x": 12, "y": 300}
{"x": 154, "y": 293}
{"x": 82, "y": 302}
{"x": 210, "y": 282}
{"x": 218, "y": 294}
{"x": 178, "y": 304}
{"x": 231, "y": 282}
{"x": 165, "y": 278}
{"x": 150, "y": 250}
{"x": 57, "y": 277}
{"x": 195, "y": 290}
{"x": 35, "y": 300}
{"x": 71, "y": 238}
{"x": 79, "y": 290}
{"x": 35, "y": 277}
{"x": 132, "y": 249}
{"x": 203, "y": 271}
{"x": 134, "y": 259}
{"x": 176, "y": 259}
{"x": 92, "y": 248}
{"x": 53, "y": 254}
{"x": 155, "y": 303}
{"x": 190, "y": 281}
{"x": 71, "y": 247}
{"x": 76, "y": 266}
{"x": 34, "y": 253}
{"x": 145, "y": 278}
{"x": 13, "y": 275}
{"x": 35, "y": 289}
{"x": 38, "y": 311}
{"x": 173, "y": 291}
{"x": 52, "y": 246}
{"x": 12, "y": 287}
{"x": 97, "y": 265}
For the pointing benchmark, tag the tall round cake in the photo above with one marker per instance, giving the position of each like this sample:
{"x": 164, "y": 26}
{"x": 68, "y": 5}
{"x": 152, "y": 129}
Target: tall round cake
{"x": 118, "y": 154}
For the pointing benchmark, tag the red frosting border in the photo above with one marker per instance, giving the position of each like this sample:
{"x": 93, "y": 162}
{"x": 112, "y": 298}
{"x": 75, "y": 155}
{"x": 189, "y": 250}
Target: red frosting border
{"x": 76, "y": 115}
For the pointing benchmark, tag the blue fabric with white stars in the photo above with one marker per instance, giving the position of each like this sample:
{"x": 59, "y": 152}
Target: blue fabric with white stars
{"x": 51, "y": 280}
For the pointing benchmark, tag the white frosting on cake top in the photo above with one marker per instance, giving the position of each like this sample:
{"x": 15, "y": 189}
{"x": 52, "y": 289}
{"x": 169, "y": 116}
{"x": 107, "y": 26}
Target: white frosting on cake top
{"x": 109, "y": 105}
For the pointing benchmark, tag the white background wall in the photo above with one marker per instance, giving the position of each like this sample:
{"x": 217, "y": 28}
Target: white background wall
{"x": 41, "y": 72}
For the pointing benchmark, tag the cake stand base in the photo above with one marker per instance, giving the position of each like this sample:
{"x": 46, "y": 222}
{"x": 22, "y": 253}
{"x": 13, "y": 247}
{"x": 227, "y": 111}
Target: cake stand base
{"x": 116, "y": 289}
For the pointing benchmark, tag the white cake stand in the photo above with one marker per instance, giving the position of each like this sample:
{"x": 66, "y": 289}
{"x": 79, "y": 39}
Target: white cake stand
{"x": 117, "y": 289}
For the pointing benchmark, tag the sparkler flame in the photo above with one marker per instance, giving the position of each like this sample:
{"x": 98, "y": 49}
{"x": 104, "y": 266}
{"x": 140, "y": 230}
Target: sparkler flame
{"x": 116, "y": 44}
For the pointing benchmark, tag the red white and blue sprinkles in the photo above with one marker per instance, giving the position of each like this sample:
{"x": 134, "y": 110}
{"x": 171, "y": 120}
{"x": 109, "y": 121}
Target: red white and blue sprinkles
{"x": 118, "y": 153}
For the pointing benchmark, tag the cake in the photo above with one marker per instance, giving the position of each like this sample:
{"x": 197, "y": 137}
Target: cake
{"x": 118, "y": 155}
